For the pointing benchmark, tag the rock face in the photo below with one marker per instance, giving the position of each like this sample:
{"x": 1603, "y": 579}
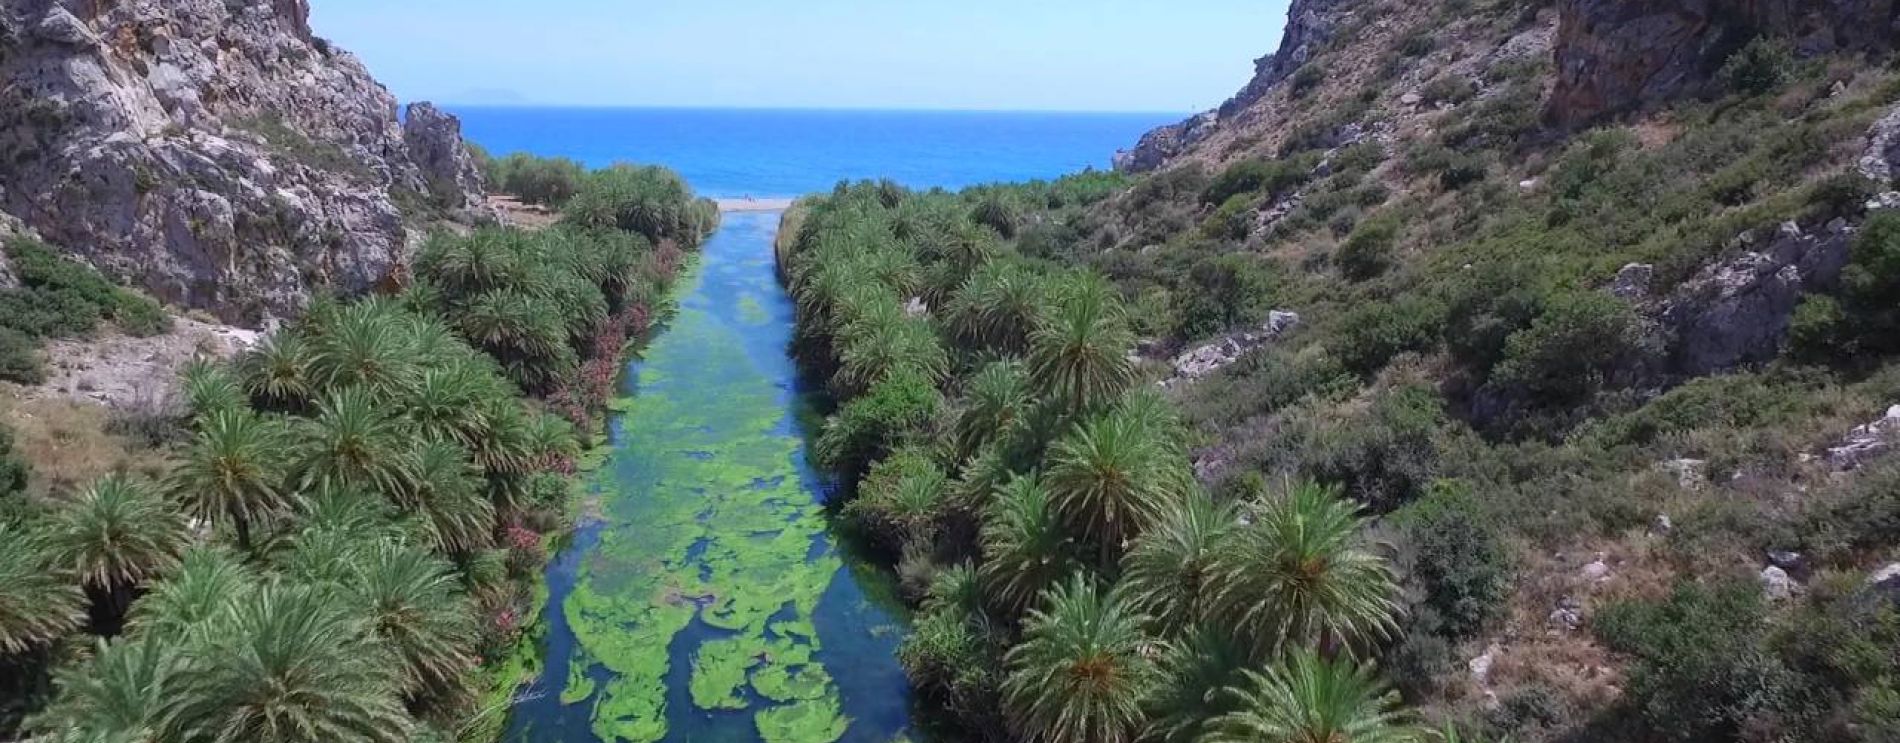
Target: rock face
{"x": 216, "y": 153}
{"x": 1867, "y": 441}
{"x": 1737, "y": 311}
{"x": 1615, "y": 55}
{"x": 1201, "y": 361}
{"x": 1310, "y": 23}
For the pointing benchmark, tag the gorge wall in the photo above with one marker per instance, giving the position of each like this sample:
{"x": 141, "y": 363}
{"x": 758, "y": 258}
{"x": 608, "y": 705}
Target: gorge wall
{"x": 217, "y": 153}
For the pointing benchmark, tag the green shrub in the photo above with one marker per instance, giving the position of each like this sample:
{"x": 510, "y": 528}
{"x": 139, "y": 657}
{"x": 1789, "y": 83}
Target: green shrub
{"x": 1371, "y": 334}
{"x": 1702, "y": 670}
{"x": 1761, "y": 66}
{"x": 871, "y": 425}
{"x": 63, "y": 297}
{"x": 1819, "y": 330}
{"x": 1458, "y": 558}
{"x": 1449, "y": 88}
{"x": 550, "y": 181}
{"x": 1257, "y": 177}
{"x": 1305, "y": 79}
{"x": 1223, "y": 292}
{"x": 20, "y": 357}
{"x": 1385, "y": 456}
{"x": 1368, "y": 251}
{"x": 1571, "y": 350}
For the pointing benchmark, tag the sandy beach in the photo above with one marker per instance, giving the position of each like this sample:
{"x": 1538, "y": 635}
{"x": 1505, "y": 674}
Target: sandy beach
{"x": 753, "y": 205}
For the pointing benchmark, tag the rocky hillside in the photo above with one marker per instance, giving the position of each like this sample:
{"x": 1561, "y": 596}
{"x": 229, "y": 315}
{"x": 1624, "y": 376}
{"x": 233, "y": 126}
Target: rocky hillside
{"x": 217, "y": 153}
{"x": 1596, "y": 311}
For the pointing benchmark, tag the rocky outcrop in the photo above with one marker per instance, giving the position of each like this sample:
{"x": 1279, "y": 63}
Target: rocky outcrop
{"x": 1737, "y": 311}
{"x": 216, "y": 153}
{"x": 1867, "y": 441}
{"x": 1880, "y": 162}
{"x": 1203, "y": 360}
{"x": 1310, "y": 24}
{"x": 1616, "y": 55}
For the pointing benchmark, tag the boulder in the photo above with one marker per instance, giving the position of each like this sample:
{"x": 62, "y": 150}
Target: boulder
{"x": 1632, "y": 281}
{"x": 1866, "y": 441}
{"x": 1736, "y": 311}
{"x": 1776, "y": 584}
{"x": 1880, "y": 162}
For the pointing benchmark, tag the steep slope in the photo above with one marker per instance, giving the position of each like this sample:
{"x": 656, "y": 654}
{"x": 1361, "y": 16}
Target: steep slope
{"x": 1596, "y": 311}
{"x": 216, "y": 153}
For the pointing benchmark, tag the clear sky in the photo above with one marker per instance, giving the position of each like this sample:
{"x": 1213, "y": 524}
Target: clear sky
{"x": 1088, "y": 55}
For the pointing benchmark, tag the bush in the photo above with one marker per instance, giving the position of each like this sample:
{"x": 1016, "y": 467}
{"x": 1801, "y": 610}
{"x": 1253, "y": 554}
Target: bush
{"x": 1459, "y": 558}
{"x": 549, "y": 181}
{"x": 1257, "y": 177}
{"x": 1305, "y": 79}
{"x": 1368, "y": 251}
{"x": 1819, "y": 330}
{"x": 1702, "y": 670}
{"x": 1571, "y": 350}
{"x": 871, "y": 425}
{"x": 63, "y": 297}
{"x": 20, "y": 358}
{"x": 1371, "y": 334}
{"x": 1449, "y": 88}
{"x": 1761, "y": 66}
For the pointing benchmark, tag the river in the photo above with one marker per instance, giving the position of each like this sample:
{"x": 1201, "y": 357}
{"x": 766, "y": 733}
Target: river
{"x": 703, "y": 598}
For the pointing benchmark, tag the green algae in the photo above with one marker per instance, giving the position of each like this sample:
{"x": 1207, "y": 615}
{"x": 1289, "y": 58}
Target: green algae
{"x": 799, "y": 722}
{"x": 579, "y": 686}
{"x": 704, "y": 520}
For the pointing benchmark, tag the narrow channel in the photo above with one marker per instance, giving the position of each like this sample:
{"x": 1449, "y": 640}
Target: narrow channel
{"x": 703, "y": 598}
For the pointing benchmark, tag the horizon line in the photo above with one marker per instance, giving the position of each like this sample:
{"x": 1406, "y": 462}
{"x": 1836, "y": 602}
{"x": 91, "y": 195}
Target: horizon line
{"x": 798, "y": 109}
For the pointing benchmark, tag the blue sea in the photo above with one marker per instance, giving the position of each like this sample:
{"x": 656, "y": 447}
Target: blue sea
{"x": 732, "y": 153}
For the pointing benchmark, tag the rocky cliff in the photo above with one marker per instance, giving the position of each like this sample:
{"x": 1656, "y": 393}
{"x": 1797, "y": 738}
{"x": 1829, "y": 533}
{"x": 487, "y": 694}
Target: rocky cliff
{"x": 216, "y": 152}
{"x": 1614, "y": 55}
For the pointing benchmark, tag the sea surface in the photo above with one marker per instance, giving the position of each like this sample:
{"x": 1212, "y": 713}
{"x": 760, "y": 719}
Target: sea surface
{"x": 732, "y": 153}
{"x": 706, "y": 595}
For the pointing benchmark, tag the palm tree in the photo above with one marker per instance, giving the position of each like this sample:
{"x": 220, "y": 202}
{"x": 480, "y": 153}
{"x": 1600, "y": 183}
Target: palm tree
{"x": 1311, "y": 698}
{"x": 37, "y": 604}
{"x": 1078, "y": 353}
{"x": 206, "y": 582}
{"x": 1168, "y": 571}
{"x": 997, "y": 306}
{"x": 1111, "y": 478}
{"x": 279, "y": 373}
{"x": 1026, "y": 549}
{"x": 124, "y": 693}
{"x": 455, "y": 514}
{"x": 363, "y": 345}
{"x": 995, "y": 400}
{"x": 1304, "y": 574}
{"x": 874, "y": 351}
{"x": 415, "y": 612}
{"x": 115, "y": 536}
{"x": 234, "y": 471}
{"x": 1081, "y": 670}
{"x": 209, "y": 388}
{"x": 355, "y": 442}
{"x": 290, "y": 665}
{"x": 1196, "y": 670}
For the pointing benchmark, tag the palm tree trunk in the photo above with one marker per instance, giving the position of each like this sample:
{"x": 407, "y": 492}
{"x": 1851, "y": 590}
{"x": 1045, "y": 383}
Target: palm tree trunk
{"x": 109, "y": 606}
{"x": 243, "y": 527}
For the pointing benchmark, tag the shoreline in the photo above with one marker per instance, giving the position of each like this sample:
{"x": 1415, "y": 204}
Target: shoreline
{"x": 753, "y": 205}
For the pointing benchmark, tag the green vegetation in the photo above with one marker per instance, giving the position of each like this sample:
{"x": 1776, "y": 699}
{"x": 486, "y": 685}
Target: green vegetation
{"x": 345, "y": 547}
{"x": 1076, "y": 583}
{"x": 549, "y": 181}
{"x": 61, "y": 298}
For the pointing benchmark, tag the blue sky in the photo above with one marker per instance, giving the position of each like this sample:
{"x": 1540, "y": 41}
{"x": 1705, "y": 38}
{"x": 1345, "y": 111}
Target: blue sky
{"x": 1086, "y": 55}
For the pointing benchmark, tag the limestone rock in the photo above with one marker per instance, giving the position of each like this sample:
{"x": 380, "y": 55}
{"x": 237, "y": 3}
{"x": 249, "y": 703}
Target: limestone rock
{"x": 1690, "y": 474}
{"x": 1737, "y": 311}
{"x": 1310, "y": 25}
{"x": 1203, "y": 360}
{"x": 1615, "y": 55}
{"x": 1776, "y": 585}
{"x": 1632, "y": 281}
{"x": 1866, "y": 441}
{"x": 1880, "y": 162}
{"x": 215, "y": 153}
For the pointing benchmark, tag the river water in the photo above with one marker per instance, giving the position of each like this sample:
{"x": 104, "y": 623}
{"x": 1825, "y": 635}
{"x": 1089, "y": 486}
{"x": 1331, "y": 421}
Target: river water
{"x": 704, "y": 599}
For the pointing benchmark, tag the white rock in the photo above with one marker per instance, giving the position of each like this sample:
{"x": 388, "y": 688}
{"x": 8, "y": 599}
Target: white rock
{"x": 1776, "y": 584}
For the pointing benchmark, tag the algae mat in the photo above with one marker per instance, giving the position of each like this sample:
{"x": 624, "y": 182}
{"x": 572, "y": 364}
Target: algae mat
{"x": 708, "y": 602}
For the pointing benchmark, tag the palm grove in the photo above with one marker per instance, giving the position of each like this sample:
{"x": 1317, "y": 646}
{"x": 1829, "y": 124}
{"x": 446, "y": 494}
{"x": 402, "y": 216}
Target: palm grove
{"x": 1076, "y": 583}
{"x": 348, "y": 541}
